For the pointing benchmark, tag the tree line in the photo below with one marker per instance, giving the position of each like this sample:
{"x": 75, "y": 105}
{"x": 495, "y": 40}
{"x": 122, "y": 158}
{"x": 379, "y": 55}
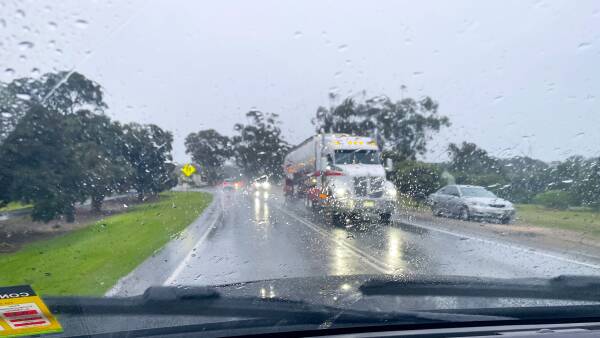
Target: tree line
{"x": 257, "y": 148}
{"x": 574, "y": 181}
{"x": 58, "y": 148}
{"x": 402, "y": 129}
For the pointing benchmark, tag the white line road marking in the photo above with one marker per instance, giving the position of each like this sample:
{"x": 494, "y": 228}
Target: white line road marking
{"x": 189, "y": 256}
{"x": 510, "y": 246}
{"x": 370, "y": 260}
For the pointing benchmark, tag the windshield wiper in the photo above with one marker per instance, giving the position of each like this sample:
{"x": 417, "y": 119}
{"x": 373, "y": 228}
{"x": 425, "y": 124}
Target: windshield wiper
{"x": 576, "y": 288}
{"x": 202, "y": 301}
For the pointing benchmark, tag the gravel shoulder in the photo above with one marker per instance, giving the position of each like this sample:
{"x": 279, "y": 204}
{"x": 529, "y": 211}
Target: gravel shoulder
{"x": 561, "y": 241}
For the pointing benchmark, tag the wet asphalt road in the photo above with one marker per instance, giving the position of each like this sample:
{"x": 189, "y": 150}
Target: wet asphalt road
{"x": 262, "y": 237}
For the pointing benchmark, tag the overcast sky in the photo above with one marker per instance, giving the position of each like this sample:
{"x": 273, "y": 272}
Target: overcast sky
{"x": 515, "y": 77}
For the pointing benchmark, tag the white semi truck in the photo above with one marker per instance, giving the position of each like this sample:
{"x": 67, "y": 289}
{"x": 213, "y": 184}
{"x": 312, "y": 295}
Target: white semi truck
{"x": 340, "y": 175}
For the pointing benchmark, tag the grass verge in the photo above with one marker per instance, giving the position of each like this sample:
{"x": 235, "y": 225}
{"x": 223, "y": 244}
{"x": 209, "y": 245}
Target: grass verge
{"x": 13, "y": 206}
{"x": 584, "y": 221}
{"x": 407, "y": 203}
{"x": 89, "y": 261}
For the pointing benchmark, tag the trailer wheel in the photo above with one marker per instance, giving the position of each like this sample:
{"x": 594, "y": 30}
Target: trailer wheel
{"x": 386, "y": 218}
{"x": 338, "y": 220}
{"x": 311, "y": 205}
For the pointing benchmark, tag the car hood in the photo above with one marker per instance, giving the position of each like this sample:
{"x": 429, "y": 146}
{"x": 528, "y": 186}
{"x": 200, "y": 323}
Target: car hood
{"x": 488, "y": 200}
{"x": 362, "y": 169}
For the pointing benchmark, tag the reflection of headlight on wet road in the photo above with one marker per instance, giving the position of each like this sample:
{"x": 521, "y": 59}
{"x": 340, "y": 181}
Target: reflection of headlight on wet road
{"x": 345, "y": 287}
{"x": 264, "y": 293}
{"x": 258, "y": 194}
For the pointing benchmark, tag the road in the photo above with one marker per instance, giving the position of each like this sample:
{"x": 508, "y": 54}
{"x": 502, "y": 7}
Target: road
{"x": 247, "y": 238}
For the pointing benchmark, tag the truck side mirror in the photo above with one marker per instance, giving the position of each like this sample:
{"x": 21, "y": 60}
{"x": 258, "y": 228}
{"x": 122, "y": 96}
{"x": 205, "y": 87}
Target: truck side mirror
{"x": 389, "y": 164}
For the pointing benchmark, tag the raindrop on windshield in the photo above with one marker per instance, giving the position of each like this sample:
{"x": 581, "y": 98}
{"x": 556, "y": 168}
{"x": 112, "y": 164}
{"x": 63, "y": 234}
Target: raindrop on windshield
{"x": 81, "y": 23}
{"x": 9, "y": 71}
{"x": 23, "y": 97}
{"x": 342, "y": 48}
{"x": 24, "y": 45}
{"x": 52, "y": 25}
{"x": 35, "y": 72}
{"x": 297, "y": 34}
{"x": 20, "y": 13}
{"x": 584, "y": 45}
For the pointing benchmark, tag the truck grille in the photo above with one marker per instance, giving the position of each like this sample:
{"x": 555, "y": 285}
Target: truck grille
{"x": 368, "y": 186}
{"x": 361, "y": 186}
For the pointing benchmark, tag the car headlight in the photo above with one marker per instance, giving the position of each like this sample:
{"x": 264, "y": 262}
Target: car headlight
{"x": 266, "y": 185}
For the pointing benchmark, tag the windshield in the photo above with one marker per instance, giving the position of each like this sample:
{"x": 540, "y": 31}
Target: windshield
{"x": 476, "y": 192}
{"x": 356, "y": 157}
{"x": 288, "y": 152}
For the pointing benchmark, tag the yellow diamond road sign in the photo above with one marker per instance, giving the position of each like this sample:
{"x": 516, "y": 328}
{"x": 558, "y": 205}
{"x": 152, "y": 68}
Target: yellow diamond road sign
{"x": 188, "y": 170}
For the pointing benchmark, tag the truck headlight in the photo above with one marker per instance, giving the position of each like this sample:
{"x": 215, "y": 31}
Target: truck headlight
{"x": 391, "y": 192}
{"x": 266, "y": 185}
{"x": 340, "y": 192}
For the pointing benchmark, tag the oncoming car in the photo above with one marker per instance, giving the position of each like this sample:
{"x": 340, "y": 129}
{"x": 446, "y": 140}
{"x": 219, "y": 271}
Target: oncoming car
{"x": 469, "y": 201}
{"x": 261, "y": 183}
{"x": 231, "y": 184}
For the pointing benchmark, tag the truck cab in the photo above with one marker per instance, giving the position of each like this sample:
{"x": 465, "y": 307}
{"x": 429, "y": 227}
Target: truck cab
{"x": 353, "y": 179}
{"x": 342, "y": 176}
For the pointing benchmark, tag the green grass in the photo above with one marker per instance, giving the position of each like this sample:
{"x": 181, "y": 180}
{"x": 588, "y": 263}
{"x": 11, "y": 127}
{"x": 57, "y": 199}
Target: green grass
{"x": 406, "y": 202}
{"x": 587, "y": 221}
{"x": 89, "y": 261}
{"x": 12, "y": 206}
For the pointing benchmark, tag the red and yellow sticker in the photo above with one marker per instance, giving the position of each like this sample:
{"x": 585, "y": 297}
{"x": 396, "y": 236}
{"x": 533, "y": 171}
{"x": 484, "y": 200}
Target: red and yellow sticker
{"x": 22, "y": 312}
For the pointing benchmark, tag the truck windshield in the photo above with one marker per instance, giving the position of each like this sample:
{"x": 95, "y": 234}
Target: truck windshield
{"x": 357, "y": 157}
